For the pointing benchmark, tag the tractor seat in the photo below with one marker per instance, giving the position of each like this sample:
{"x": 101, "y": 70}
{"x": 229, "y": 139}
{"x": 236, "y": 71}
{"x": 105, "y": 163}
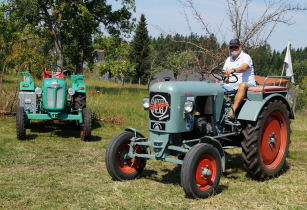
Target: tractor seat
{"x": 267, "y": 89}
{"x": 48, "y": 74}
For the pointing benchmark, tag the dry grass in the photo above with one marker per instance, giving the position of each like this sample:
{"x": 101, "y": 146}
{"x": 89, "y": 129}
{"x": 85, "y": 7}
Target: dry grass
{"x": 54, "y": 169}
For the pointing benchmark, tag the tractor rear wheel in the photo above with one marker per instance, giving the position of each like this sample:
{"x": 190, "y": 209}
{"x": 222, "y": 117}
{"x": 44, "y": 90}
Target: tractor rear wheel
{"x": 266, "y": 142}
{"x": 87, "y": 124}
{"x": 201, "y": 171}
{"x": 119, "y": 165}
{"x": 20, "y": 123}
{"x": 79, "y": 101}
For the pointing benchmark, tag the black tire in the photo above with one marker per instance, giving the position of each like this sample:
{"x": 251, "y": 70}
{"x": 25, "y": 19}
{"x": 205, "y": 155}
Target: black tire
{"x": 266, "y": 142}
{"x": 79, "y": 101}
{"x": 20, "y": 123}
{"x": 87, "y": 124}
{"x": 121, "y": 168}
{"x": 195, "y": 183}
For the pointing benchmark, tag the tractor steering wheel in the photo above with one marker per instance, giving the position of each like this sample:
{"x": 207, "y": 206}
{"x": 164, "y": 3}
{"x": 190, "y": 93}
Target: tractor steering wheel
{"x": 220, "y": 75}
{"x": 54, "y": 68}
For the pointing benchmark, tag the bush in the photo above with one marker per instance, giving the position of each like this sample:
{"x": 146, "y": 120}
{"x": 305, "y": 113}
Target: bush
{"x": 301, "y": 101}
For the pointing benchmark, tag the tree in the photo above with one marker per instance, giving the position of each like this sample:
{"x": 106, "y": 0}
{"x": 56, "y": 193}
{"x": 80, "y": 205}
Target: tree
{"x": 21, "y": 49}
{"x": 70, "y": 25}
{"x": 256, "y": 31}
{"x": 27, "y": 53}
{"x": 179, "y": 62}
{"x": 252, "y": 30}
{"x": 300, "y": 72}
{"x": 140, "y": 50}
{"x": 116, "y": 57}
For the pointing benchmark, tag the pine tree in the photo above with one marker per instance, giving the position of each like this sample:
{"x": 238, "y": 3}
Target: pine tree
{"x": 140, "y": 50}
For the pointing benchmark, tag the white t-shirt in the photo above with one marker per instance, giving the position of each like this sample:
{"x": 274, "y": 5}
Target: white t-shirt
{"x": 247, "y": 76}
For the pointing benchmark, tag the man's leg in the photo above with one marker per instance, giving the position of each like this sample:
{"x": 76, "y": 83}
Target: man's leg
{"x": 240, "y": 95}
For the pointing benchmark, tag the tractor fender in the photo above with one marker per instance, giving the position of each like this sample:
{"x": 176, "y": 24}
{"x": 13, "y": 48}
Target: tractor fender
{"x": 136, "y": 132}
{"x": 251, "y": 109}
{"x": 212, "y": 141}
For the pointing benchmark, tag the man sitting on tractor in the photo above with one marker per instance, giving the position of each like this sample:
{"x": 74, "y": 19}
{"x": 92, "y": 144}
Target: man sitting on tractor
{"x": 240, "y": 64}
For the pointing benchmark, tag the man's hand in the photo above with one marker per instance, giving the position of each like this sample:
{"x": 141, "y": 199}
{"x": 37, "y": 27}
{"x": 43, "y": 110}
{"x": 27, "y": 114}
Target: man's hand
{"x": 229, "y": 71}
{"x": 227, "y": 74}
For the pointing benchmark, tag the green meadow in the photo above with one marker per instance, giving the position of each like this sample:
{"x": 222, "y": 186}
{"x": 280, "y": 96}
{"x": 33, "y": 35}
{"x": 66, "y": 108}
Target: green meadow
{"x": 54, "y": 169}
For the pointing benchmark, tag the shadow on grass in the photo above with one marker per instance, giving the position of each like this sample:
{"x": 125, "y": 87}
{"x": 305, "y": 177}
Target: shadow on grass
{"x": 64, "y": 129}
{"x": 235, "y": 163}
{"x": 148, "y": 173}
{"x": 30, "y": 137}
{"x": 173, "y": 177}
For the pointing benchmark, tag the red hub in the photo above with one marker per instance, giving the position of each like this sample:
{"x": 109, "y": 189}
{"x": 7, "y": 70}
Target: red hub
{"x": 125, "y": 164}
{"x": 274, "y": 140}
{"x": 82, "y": 131}
{"x": 205, "y": 172}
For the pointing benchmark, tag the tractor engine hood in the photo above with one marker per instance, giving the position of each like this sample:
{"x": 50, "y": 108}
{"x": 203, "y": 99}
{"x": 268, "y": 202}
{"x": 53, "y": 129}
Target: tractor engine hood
{"x": 184, "y": 88}
{"x": 167, "y": 99}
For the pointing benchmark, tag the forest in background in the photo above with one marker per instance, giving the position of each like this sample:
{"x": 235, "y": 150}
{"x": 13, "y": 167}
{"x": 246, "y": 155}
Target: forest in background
{"x": 35, "y": 34}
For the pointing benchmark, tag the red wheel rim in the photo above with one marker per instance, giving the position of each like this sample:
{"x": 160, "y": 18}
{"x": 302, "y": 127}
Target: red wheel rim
{"x": 274, "y": 140}
{"x": 82, "y": 131}
{"x": 127, "y": 165}
{"x": 205, "y": 172}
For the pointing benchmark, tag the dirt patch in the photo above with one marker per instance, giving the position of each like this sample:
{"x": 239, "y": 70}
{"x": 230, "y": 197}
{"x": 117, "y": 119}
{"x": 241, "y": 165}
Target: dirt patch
{"x": 112, "y": 119}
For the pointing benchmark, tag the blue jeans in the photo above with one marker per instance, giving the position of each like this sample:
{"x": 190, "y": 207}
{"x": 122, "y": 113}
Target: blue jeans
{"x": 231, "y": 87}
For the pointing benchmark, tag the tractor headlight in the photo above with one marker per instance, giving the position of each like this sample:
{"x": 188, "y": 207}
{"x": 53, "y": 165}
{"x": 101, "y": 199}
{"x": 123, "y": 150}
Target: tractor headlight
{"x": 38, "y": 91}
{"x": 145, "y": 103}
{"x": 71, "y": 91}
{"x": 188, "y": 106}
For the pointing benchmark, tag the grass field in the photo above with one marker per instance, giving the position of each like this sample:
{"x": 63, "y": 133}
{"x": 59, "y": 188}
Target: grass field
{"x": 55, "y": 169}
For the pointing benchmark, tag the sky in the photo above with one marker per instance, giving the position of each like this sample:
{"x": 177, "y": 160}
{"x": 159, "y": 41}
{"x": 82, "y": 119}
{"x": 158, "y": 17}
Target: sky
{"x": 167, "y": 17}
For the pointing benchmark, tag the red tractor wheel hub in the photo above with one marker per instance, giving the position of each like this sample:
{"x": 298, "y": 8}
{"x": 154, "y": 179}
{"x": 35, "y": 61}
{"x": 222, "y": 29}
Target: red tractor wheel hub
{"x": 274, "y": 140}
{"x": 205, "y": 172}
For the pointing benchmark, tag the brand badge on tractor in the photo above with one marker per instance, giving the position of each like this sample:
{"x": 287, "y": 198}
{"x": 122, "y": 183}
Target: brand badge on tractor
{"x": 159, "y": 107}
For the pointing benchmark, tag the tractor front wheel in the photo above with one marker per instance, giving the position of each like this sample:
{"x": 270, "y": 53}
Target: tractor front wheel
{"x": 201, "y": 171}
{"x": 119, "y": 165}
{"x": 266, "y": 142}
{"x": 20, "y": 123}
{"x": 87, "y": 124}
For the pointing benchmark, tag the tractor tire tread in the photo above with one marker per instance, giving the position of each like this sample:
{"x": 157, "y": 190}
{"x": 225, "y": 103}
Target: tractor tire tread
{"x": 110, "y": 159}
{"x": 20, "y": 123}
{"x": 186, "y": 169}
{"x": 252, "y": 133}
{"x": 87, "y": 124}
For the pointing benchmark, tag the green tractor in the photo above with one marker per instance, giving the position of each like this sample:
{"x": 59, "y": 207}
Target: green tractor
{"x": 188, "y": 125}
{"x": 52, "y": 101}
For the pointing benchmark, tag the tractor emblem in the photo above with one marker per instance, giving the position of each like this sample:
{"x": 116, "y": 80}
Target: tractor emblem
{"x": 159, "y": 107}
{"x": 55, "y": 85}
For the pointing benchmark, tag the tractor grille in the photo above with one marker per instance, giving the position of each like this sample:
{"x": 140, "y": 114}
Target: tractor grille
{"x": 58, "y": 97}
{"x": 160, "y": 106}
{"x": 50, "y": 98}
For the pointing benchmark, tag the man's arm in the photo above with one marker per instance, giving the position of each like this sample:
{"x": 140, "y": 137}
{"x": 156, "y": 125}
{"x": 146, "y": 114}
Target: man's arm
{"x": 240, "y": 69}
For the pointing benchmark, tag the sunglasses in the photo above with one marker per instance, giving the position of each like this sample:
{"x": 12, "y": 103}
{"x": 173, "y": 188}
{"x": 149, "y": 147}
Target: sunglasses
{"x": 234, "y": 47}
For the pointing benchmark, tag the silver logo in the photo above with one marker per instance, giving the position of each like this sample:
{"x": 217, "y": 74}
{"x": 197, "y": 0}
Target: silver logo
{"x": 159, "y": 107}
